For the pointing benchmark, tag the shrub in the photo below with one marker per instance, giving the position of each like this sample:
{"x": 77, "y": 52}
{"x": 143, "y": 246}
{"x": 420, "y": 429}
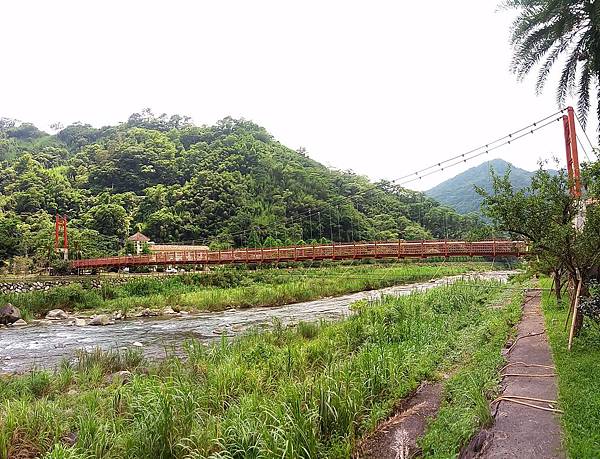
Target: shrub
{"x": 590, "y": 308}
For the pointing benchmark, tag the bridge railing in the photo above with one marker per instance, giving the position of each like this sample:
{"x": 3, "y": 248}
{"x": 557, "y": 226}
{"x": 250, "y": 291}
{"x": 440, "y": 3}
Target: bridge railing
{"x": 333, "y": 251}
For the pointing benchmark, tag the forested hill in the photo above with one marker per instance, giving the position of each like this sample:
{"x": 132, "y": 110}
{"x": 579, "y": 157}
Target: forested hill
{"x": 231, "y": 184}
{"x": 459, "y": 192}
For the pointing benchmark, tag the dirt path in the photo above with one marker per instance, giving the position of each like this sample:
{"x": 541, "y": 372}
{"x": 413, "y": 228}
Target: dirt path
{"x": 521, "y": 431}
{"x": 397, "y": 437}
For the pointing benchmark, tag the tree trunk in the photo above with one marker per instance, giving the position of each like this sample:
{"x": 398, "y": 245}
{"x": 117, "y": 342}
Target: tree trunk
{"x": 557, "y": 284}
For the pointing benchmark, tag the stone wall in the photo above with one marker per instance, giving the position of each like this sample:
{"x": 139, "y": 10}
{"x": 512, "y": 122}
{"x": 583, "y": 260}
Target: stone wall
{"x": 16, "y": 287}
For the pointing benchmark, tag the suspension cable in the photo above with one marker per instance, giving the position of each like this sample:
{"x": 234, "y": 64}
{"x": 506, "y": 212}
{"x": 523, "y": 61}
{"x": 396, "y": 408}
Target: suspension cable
{"x": 437, "y": 167}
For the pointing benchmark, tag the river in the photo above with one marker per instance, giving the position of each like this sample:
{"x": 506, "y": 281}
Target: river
{"x": 43, "y": 345}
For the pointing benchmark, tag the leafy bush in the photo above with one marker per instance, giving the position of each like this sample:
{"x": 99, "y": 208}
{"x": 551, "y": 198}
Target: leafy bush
{"x": 590, "y": 308}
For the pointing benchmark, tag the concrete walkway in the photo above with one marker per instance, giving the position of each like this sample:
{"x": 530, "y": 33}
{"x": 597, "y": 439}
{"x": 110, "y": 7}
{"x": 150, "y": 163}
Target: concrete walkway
{"x": 521, "y": 431}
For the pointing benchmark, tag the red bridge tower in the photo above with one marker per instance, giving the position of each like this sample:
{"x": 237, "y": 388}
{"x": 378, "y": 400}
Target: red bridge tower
{"x": 61, "y": 237}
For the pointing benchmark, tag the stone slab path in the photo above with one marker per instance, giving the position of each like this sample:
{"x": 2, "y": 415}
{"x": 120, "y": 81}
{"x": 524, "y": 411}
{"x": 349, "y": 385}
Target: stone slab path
{"x": 521, "y": 431}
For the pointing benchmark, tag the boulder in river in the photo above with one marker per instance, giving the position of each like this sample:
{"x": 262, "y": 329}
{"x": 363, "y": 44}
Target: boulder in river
{"x": 147, "y": 313}
{"x": 19, "y": 323}
{"x": 117, "y": 315}
{"x": 57, "y": 314}
{"x": 9, "y": 314}
{"x": 101, "y": 319}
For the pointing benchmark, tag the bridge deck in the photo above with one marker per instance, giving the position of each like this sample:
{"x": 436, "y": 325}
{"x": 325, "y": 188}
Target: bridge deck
{"x": 394, "y": 249}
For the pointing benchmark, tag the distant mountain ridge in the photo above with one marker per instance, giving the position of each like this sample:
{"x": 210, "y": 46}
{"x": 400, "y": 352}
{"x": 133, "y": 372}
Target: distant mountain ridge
{"x": 459, "y": 192}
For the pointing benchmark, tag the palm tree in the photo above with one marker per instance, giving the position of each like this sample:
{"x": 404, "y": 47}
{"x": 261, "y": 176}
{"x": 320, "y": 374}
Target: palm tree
{"x": 547, "y": 31}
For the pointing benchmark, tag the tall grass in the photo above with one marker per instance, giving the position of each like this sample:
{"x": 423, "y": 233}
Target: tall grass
{"x": 306, "y": 391}
{"x": 465, "y": 408}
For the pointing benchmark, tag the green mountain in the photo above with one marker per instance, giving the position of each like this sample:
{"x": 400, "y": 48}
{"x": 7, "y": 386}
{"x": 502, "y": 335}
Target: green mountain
{"x": 227, "y": 185}
{"x": 459, "y": 192}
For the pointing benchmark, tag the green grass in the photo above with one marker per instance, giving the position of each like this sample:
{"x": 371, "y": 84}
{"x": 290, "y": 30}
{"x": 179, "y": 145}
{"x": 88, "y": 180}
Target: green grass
{"x": 578, "y": 379}
{"x": 307, "y": 391}
{"x": 467, "y": 393}
{"x": 227, "y": 288}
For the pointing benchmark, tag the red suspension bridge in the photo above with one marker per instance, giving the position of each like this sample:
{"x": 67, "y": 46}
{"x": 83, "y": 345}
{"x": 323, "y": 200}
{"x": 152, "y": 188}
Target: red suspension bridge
{"x": 349, "y": 251}
{"x": 361, "y": 250}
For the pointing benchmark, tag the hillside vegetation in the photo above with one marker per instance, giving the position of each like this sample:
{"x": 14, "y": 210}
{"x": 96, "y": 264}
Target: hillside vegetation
{"x": 231, "y": 184}
{"x": 459, "y": 192}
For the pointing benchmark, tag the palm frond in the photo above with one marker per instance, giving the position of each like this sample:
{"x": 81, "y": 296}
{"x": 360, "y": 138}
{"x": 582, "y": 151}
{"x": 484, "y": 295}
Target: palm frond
{"x": 568, "y": 76}
{"x": 583, "y": 105}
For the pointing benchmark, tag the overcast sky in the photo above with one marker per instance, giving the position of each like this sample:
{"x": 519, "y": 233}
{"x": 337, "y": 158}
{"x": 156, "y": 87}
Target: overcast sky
{"x": 380, "y": 87}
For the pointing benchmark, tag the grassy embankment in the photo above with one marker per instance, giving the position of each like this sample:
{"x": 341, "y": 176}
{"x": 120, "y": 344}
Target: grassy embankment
{"x": 229, "y": 288}
{"x": 307, "y": 391}
{"x": 578, "y": 379}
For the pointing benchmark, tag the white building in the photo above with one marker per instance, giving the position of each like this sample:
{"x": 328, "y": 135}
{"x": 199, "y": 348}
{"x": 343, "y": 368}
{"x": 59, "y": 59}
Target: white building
{"x": 138, "y": 240}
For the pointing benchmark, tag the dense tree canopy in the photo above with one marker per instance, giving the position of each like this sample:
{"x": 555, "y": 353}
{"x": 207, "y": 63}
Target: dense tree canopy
{"x": 230, "y": 184}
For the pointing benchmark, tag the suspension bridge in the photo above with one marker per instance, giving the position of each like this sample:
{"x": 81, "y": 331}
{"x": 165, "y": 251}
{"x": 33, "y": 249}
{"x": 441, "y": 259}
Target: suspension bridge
{"x": 347, "y": 251}
{"x": 399, "y": 249}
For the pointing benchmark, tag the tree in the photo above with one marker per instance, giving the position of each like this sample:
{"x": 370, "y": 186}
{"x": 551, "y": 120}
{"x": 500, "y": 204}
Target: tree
{"x": 25, "y": 131}
{"x": 543, "y": 214}
{"x": 109, "y": 220}
{"x": 133, "y": 161}
{"x": 164, "y": 226}
{"x": 415, "y": 232}
{"x": 9, "y": 237}
{"x": 546, "y": 31}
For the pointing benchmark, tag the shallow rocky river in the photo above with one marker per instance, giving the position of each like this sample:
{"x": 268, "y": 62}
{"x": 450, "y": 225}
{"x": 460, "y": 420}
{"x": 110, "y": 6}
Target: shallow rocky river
{"x": 45, "y": 345}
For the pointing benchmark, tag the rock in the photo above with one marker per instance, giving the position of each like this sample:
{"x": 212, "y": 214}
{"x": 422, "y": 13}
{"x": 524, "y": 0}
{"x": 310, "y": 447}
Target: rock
{"x": 120, "y": 377}
{"x": 78, "y": 322}
{"x": 101, "y": 319}
{"x": 117, "y": 315}
{"x": 19, "y": 323}
{"x": 70, "y": 439}
{"x": 9, "y": 314}
{"x": 147, "y": 313}
{"x": 222, "y": 332}
{"x": 477, "y": 445}
{"x": 57, "y": 314}
{"x": 137, "y": 344}
{"x": 168, "y": 311}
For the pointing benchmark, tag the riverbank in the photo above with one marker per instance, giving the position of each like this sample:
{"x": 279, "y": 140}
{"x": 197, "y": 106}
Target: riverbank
{"x": 44, "y": 343}
{"x": 230, "y": 288}
{"x": 306, "y": 391}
